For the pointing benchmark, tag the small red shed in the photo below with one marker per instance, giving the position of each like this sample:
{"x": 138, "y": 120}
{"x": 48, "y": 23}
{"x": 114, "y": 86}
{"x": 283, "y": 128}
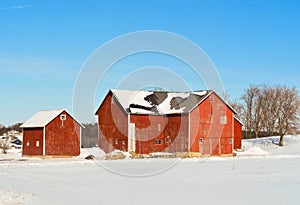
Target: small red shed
{"x": 159, "y": 121}
{"x": 51, "y": 133}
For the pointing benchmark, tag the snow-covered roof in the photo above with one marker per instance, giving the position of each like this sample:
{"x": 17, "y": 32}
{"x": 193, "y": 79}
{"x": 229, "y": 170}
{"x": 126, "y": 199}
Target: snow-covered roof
{"x": 158, "y": 102}
{"x": 44, "y": 117}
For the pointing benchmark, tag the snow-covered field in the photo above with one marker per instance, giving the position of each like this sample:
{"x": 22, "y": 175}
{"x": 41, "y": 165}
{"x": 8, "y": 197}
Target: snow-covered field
{"x": 262, "y": 173}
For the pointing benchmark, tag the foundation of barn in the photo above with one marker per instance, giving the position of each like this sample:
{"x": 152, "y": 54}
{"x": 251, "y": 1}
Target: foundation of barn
{"x": 48, "y": 156}
{"x": 199, "y": 155}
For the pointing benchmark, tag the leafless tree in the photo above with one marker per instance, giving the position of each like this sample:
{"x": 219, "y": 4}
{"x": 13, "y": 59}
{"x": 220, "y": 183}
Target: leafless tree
{"x": 286, "y": 113}
{"x": 271, "y": 109}
{"x": 249, "y": 107}
{"x": 269, "y": 106}
{"x": 5, "y": 144}
{"x": 238, "y": 107}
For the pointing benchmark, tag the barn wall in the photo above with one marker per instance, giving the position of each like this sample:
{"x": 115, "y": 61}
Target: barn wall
{"x": 112, "y": 125}
{"x": 212, "y": 121}
{"x": 237, "y": 134}
{"x": 63, "y": 137}
{"x": 30, "y": 137}
{"x": 169, "y": 130}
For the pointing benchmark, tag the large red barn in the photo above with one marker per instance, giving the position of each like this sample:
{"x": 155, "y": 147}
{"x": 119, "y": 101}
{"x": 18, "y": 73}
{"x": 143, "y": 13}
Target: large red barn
{"x": 51, "y": 133}
{"x": 159, "y": 121}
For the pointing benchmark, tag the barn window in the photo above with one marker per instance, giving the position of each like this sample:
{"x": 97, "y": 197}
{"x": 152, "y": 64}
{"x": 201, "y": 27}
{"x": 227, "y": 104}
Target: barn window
{"x": 116, "y": 141}
{"x": 158, "y": 127}
{"x": 157, "y": 141}
{"x": 201, "y": 141}
{"x": 63, "y": 117}
{"x": 211, "y": 98}
{"x": 223, "y": 119}
{"x": 123, "y": 142}
{"x": 27, "y": 143}
{"x": 230, "y": 141}
{"x": 37, "y": 143}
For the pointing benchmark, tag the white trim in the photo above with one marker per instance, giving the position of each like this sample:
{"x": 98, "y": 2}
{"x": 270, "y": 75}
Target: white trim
{"x": 219, "y": 144}
{"x": 189, "y": 133}
{"x": 80, "y": 135}
{"x": 63, "y": 116}
{"x": 129, "y": 145}
{"x": 237, "y": 119}
{"x": 44, "y": 141}
{"x": 232, "y": 135}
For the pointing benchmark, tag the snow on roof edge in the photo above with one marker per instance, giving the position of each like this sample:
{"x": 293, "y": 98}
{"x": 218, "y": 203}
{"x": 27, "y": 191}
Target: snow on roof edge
{"x": 44, "y": 117}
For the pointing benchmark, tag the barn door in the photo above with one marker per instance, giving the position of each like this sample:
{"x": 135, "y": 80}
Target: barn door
{"x": 215, "y": 148}
{"x": 131, "y": 137}
{"x": 209, "y": 146}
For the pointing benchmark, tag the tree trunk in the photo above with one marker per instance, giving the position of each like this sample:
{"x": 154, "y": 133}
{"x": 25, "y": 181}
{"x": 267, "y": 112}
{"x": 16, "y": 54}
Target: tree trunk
{"x": 281, "y": 141}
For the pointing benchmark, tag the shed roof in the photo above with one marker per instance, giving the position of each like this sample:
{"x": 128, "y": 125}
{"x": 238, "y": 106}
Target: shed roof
{"x": 159, "y": 102}
{"x": 44, "y": 117}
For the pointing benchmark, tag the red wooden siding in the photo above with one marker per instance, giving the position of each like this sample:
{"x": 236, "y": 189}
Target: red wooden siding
{"x": 113, "y": 125}
{"x": 211, "y": 122}
{"x": 237, "y": 134}
{"x": 169, "y": 130}
{"x": 63, "y": 137}
{"x": 32, "y": 136}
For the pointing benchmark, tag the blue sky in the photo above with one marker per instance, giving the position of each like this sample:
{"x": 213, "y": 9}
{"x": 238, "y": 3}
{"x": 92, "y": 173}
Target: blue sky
{"x": 43, "y": 44}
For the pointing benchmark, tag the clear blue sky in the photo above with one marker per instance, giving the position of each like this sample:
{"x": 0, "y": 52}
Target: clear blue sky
{"x": 43, "y": 44}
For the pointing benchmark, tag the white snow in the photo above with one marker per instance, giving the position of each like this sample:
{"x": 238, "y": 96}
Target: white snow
{"x": 165, "y": 106}
{"x": 252, "y": 178}
{"x": 43, "y": 117}
{"x": 128, "y": 97}
{"x": 200, "y": 93}
{"x": 11, "y": 198}
{"x": 254, "y": 151}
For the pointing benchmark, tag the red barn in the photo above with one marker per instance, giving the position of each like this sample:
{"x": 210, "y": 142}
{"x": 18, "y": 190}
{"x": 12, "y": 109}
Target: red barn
{"x": 237, "y": 133}
{"x": 51, "y": 133}
{"x": 186, "y": 122}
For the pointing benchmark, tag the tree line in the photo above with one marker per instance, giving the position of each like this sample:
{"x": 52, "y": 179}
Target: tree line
{"x": 269, "y": 110}
{"x": 5, "y": 129}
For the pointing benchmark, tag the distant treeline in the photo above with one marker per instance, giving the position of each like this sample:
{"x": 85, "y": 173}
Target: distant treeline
{"x": 4, "y": 129}
{"x": 89, "y": 135}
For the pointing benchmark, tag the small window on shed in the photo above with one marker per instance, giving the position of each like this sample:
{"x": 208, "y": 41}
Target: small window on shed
{"x": 230, "y": 141}
{"x": 201, "y": 141}
{"x": 123, "y": 142}
{"x": 27, "y": 143}
{"x": 63, "y": 117}
{"x": 37, "y": 143}
{"x": 116, "y": 141}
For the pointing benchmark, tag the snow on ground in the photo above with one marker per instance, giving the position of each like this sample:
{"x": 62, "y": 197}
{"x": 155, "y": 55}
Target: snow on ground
{"x": 252, "y": 178}
{"x": 11, "y": 198}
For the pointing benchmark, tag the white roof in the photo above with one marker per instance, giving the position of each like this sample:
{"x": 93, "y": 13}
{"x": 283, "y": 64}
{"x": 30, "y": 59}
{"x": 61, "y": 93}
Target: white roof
{"x": 130, "y": 97}
{"x": 44, "y": 117}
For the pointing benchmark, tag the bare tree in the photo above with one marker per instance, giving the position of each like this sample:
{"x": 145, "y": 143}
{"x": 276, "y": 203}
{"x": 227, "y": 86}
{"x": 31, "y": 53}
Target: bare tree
{"x": 269, "y": 106}
{"x": 5, "y": 144}
{"x": 258, "y": 104}
{"x": 249, "y": 100}
{"x": 288, "y": 104}
{"x": 238, "y": 107}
